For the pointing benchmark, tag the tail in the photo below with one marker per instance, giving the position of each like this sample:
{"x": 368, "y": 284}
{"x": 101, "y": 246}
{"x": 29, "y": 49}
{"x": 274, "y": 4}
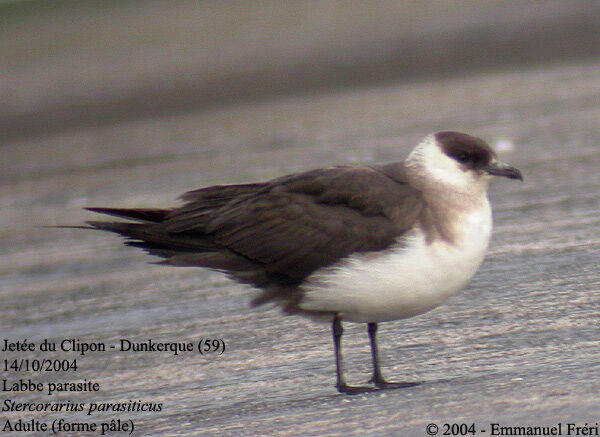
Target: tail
{"x": 147, "y": 215}
{"x": 148, "y": 231}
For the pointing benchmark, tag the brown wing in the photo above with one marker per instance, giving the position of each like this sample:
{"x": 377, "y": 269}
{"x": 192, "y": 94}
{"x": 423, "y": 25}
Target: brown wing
{"x": 280, "y": 231}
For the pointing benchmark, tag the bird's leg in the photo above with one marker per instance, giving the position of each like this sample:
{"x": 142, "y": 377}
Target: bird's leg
{"x": 337, "y": 344}
{"x": 377, "y": 378}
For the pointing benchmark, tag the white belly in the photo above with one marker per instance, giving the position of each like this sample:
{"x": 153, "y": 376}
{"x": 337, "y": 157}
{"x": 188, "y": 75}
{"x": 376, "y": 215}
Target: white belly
{"x": 404, "y": 281}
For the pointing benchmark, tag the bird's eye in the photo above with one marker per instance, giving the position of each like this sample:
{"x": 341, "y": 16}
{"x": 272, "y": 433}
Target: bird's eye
{"x": 462, "y": 157}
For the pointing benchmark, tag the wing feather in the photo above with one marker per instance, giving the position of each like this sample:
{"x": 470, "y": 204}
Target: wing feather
{"x": 296, "y": 224}
{"x": 280, "y": 231}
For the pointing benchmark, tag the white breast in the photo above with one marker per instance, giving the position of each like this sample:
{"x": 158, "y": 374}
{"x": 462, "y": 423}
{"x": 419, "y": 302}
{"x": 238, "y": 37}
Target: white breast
{"x": 406, "y": 280}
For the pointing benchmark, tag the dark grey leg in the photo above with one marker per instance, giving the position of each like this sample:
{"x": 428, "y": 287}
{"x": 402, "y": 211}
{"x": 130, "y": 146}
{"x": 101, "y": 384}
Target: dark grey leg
{"x": 339, "y": 364}
{"x": 337, "y": 344}
{"x": 377, "y": 378}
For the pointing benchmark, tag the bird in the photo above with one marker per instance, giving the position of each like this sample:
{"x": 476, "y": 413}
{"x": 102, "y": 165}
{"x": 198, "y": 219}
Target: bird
{"x": 349, "y": 243}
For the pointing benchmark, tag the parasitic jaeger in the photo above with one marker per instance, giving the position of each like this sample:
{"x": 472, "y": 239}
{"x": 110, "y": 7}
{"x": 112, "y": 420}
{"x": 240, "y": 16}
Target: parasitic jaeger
{"x": 365, "y": 244}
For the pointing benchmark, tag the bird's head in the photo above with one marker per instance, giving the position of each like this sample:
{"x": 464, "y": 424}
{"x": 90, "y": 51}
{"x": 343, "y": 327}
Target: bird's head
{"x": 457, "y": 160}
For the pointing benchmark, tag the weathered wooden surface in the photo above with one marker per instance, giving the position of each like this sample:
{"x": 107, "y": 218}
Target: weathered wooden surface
{"x": 518, "y": 346}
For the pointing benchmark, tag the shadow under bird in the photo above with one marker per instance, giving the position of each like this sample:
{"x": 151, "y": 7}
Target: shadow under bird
{"x": 365, "y": 244}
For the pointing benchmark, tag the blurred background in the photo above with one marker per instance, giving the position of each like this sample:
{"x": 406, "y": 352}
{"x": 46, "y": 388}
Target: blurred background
{"x": 74, "y": 64}
{"x": 131, "y": 103}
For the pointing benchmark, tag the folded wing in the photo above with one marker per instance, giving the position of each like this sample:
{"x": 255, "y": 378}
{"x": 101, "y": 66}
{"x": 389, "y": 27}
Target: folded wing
{"x": 277, "y": 232}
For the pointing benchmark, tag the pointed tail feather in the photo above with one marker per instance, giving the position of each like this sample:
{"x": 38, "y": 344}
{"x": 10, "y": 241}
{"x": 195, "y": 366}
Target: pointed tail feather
{"x": 148, "y": 215}
{"x": 154, "y": 239}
